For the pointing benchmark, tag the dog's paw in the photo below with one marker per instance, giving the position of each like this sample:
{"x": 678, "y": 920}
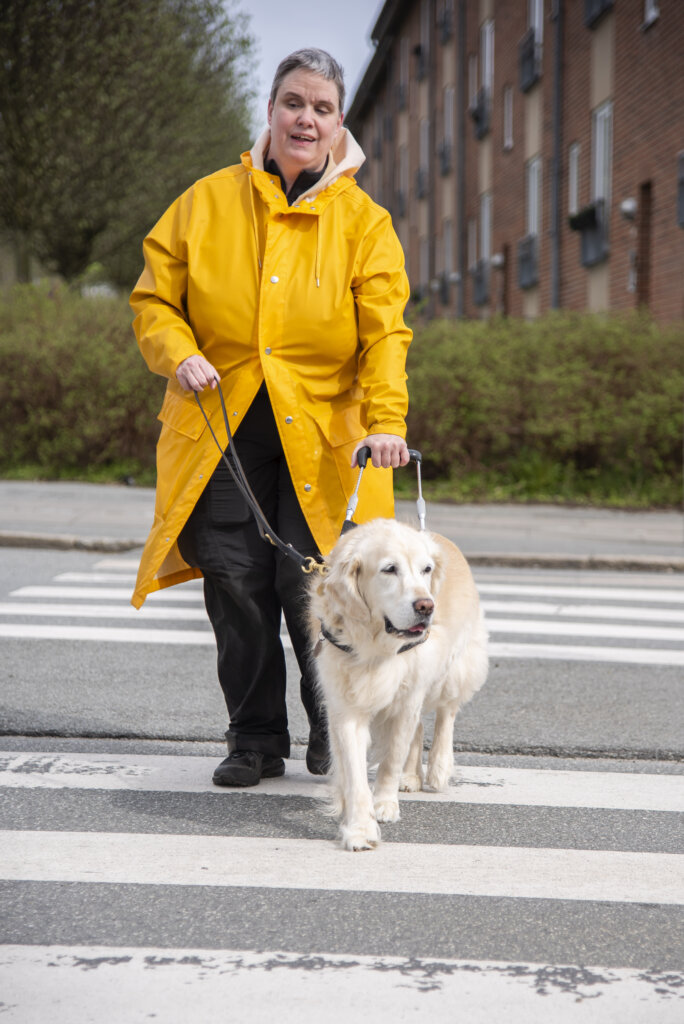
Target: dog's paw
{"x": 359, "y": 837}
{"x": 437, "y": 776}
{"x": 387, "y": 810}
{"x": 410, "y": 784}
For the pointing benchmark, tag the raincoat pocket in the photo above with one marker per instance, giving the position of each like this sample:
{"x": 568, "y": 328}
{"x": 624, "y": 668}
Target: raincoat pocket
{"x": 183, "y": 415}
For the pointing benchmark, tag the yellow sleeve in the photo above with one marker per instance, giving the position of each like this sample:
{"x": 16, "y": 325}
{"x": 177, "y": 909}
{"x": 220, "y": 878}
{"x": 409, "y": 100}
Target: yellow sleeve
{"x": 159, "y": 298}
{"x": 381, "y": 291}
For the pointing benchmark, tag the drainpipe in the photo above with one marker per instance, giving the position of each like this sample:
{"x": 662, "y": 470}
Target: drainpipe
{"x": 432, "y": 165}
{"x": 460, "y": 160}
{"x": 556, "y": 174}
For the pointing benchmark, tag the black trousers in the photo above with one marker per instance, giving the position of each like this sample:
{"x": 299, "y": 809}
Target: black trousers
{"x": 248, "y": 583}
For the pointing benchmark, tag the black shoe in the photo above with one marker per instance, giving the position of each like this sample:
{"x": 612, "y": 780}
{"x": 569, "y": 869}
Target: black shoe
{"x": 246, "y": 767}
{"x": 318, "y": 753}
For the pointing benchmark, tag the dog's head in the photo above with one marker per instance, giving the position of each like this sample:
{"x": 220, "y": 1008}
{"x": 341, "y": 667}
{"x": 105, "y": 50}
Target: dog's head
{"x": 383, "y": 578}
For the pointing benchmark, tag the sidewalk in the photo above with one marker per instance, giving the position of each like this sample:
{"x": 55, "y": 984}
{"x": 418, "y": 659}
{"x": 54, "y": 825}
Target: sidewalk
{"x": 111, "y": 517}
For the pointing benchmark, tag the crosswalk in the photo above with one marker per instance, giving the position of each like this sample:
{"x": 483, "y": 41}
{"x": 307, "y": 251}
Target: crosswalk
{"x": 637, "y": 620}
{"x": 133, "y": 889}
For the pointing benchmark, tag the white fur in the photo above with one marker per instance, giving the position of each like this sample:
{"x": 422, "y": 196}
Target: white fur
{"x": 384, "y": 570}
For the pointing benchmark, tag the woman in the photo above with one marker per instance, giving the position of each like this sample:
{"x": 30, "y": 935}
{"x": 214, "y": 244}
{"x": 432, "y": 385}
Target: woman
{"x": 282, "y": 279}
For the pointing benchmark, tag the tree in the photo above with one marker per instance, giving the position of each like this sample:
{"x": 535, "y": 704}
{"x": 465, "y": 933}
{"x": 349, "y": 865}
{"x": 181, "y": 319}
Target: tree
{"x": 108, "y": 110}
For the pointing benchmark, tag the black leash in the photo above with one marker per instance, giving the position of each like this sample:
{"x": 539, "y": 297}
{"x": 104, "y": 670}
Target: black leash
{"x": 307, "y": 564}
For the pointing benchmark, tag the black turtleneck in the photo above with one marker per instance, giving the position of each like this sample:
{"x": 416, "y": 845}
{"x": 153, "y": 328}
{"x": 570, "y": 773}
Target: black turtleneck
{"x": 304, "y": 180}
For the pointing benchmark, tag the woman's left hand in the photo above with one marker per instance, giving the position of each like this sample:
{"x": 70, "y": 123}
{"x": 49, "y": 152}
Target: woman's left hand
{"x": 386, "y": 450}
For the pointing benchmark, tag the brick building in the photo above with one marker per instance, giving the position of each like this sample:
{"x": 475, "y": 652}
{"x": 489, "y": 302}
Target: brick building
{"x": 531, "y": 152}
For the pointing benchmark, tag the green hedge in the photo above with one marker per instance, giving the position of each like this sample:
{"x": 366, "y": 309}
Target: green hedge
{"x": 569, "y": 407}
{"x": 77, "y": 399}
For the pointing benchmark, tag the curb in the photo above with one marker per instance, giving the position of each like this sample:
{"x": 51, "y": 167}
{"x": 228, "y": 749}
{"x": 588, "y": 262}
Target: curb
{"x": 67, "y": 542}
{"x": 618, "y": 563}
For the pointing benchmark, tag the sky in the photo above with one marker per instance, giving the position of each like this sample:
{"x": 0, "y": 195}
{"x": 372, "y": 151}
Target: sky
{"x": 280, "y": 26}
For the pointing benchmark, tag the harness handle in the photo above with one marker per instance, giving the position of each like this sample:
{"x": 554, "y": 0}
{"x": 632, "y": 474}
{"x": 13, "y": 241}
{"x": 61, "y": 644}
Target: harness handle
{"x": 362, "y": 457}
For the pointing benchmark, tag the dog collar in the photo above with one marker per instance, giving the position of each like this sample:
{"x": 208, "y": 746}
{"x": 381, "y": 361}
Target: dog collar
{"x": 327, "y": 635}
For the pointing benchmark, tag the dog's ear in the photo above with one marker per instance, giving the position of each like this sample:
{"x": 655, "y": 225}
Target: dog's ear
{"x": 438, "y": 572}
{"x": 342, "y": 585}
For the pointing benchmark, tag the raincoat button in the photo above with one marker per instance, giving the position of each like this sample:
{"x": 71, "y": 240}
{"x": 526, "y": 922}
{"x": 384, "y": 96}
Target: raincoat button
{"x": 274, "y": 279}
{"x": 268, "y": 351}
{"x": 307, "y": 487}
{"x": 288, "y": 419}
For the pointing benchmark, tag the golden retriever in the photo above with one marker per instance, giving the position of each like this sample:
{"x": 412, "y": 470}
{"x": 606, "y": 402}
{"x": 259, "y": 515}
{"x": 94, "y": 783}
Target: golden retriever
{"x": 399, "y": 631}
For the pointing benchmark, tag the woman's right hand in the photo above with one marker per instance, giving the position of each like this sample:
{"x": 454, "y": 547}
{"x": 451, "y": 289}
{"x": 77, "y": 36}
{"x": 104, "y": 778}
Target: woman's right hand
{"x": 196, "y": 373}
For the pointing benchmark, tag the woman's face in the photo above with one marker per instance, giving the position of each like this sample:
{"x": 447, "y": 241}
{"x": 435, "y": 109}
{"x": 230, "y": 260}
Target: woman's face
{"x": 304, "y": 120}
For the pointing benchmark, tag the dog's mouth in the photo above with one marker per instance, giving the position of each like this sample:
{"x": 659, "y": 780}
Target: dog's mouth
{"x": 413, "y": 631}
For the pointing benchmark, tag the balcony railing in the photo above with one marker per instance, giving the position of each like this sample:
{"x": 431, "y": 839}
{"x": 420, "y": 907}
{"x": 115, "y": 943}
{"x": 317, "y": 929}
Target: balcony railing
{"x": 528, "y": 261}
{"x": 529, "y": 60}
{"x": 592, "y": 223}
{"x": 480, "y": 275}
{"x": 480, "y": 113}
{"x": 594, "y": 9}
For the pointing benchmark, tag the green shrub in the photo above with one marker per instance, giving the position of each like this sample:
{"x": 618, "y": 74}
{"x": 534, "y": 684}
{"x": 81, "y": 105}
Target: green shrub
{"x": 570, "y": 406}
{"x": 77, "y": 399}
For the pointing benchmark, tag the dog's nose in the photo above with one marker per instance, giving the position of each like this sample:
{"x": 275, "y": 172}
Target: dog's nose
{"x": 424, "y": 606}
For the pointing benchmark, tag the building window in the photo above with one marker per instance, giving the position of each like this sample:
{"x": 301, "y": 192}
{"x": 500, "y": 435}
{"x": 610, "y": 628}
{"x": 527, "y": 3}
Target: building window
{"x": 486, "y": 227}
{"x": 508, "y": 117}
{"x": 573, "y": 178}
{"x": 445, "y": 17}
{"x": 602, "y": 138}
{"x": 404, "y": 72}
{"x": 403, "y": 181}
{"x": 487, "y": 55}
{"x": 472, "y": 80}
{"x": 534, "y": 195}
{"x": 592, "y": 221}
{"x": 424, "y": 268}
{"x": 423, "y": 173}
{"x": 423, "y": 49}
{"x": 472, "y": 243}
{"x": 651, "y": 12}
{"x": 481, "y": 269}
{"x": 447, "y": 145}
{"x": 447, "y": 262}
{"x": 528, "y": 246}
{"x": 530, "y": 46}
{"x": 481, "y": 100}
{"x": 448, "y": 250}
{"x": 535, "y": 19}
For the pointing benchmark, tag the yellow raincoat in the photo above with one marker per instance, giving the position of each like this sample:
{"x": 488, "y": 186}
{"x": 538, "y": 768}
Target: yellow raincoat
{"x": 309, "y": 297}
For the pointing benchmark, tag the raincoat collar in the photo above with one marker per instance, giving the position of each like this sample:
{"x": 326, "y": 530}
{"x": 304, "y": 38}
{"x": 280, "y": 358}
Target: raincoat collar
{"x": 344, "y": 159}
{"x": 303, "y": 182}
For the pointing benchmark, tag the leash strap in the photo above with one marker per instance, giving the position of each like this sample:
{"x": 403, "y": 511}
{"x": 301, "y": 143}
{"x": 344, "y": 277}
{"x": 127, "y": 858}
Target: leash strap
{"x": 306, "y": 564}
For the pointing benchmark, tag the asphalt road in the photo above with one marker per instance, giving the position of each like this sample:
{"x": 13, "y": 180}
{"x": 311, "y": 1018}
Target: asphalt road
{"x": 547, "y": 881}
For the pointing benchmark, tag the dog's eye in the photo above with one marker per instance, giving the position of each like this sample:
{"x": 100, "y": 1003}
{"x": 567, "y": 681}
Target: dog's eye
{"x": 389, "y": 569}
{"x": 428, "y": 568}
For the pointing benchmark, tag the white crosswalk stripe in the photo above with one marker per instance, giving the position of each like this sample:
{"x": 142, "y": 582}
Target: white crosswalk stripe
{"x": 557, "y": 618}
{"x": 104, "y": 830}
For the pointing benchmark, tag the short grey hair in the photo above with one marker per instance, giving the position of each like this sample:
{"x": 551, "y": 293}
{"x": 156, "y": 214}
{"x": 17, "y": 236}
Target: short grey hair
{"x": 318, "y": 61}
